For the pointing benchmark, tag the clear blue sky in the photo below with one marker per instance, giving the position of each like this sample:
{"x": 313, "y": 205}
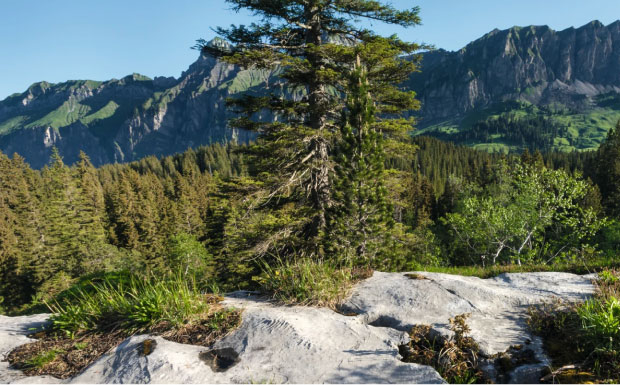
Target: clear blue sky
{"x": 58, "y": 40}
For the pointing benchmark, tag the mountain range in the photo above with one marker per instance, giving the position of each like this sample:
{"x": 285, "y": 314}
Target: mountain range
{"x": 524, "y": 87}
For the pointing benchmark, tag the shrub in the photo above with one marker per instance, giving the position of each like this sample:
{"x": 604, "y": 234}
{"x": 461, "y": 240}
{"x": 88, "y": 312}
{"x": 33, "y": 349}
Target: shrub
{"x": 188, "y": 256}
{"x": 308, "y": 282}
{"x": 134, "y": 305}
{"x": 455, "y": 358}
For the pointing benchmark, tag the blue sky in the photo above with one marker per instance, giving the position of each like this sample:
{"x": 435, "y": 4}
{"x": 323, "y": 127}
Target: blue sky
{"x": 58, "y": 40}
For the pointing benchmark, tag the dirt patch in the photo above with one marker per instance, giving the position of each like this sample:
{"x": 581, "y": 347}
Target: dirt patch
{"x": 62, "y": 357}
{"x": 205, "y": 332}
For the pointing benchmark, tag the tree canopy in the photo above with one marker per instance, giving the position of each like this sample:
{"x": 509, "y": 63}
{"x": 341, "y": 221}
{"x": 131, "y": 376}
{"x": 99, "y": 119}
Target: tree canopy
{"x": 314, "y": 44}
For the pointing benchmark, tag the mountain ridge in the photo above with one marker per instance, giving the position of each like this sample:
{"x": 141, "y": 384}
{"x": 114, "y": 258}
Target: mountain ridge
{"x": 517, "y": 72}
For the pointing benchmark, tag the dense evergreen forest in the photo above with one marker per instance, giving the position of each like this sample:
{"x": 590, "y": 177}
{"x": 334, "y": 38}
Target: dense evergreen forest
{"x": 183, "y": 211}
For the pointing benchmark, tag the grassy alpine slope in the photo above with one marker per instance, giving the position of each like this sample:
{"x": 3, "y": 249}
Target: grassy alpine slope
{"x": 512, "y": 127}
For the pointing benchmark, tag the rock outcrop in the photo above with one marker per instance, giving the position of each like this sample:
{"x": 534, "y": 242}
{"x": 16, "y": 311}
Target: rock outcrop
{"x": 13, "y": 333}
{"x": 292, "y": 344}
{"x": 498, "y": 306}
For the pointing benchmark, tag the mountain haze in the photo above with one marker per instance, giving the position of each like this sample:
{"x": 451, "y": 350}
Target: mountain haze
{"x": 522, "y": 87}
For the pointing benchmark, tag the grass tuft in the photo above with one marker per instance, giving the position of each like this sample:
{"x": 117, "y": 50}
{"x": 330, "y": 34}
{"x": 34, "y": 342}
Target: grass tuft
{"x": 90, "y": 319}
{"x": 134, "y": 306}
{"x": 577, "y": 267}
{"x": 40, "y": 360}
{"x": 583, "y": 337}
{"x": 307, "y": 282}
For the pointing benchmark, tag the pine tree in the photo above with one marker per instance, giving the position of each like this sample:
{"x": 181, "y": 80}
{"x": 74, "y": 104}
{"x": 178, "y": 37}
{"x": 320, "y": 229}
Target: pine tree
{"x": 90, "y": 217}
{"x": 361, "y": 213}
{"x": 608, "y": 171}
{"x": 315, "y": 44}
{"x": 60, "y": 257}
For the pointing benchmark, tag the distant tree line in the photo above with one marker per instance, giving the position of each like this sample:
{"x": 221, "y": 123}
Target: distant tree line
{"x": 524, "y": 132}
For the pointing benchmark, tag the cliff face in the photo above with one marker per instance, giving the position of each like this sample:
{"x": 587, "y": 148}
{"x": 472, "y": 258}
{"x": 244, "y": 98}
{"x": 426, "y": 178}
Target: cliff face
{"x": 533, "y": 64}
{"x": 123, "y": 120}
{"x": 126, "y": 119}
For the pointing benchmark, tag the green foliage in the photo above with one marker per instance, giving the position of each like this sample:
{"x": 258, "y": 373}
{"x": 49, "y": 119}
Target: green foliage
{"x": 608, "y": 277}
{"x": 608, "y": 238}
{"x": 307, "y": 282}
{"x": 360, "y": 218}
{"x": 42, "y": 359}
{"x": 608, "y": 171}
{"x": 601, "y": 321}
{"x": 530, "y": 214}
{"x": 135, "y": 306}
{"x": 294, "y": 154}
{"x": 513, "y": 126}
{"x": 187, "y": 255}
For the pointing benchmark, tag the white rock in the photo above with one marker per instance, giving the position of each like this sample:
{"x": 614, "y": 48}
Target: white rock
{"x": 13, "y": 332}
{"x": 275, "y": 344}
{"x": 292, "y": 344}
{"x": 498, "y": 306}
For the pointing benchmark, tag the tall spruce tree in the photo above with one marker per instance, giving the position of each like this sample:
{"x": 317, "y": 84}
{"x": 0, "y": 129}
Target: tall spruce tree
{"x": 60, "y": 258}
{"x": 314, "y": 43}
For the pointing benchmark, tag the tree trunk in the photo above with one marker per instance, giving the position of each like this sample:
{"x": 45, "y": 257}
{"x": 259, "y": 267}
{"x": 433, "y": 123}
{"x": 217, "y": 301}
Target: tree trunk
{"x": 319, "y": 188}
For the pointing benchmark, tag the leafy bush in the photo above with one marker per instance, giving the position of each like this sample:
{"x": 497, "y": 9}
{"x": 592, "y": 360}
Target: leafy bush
{"x": 188, "y": 256}
{"x": 133, "y": 305}
{"x": 531, "y": 214}
{"x": 308, "y": 282}
{"x": 601, "y": 321}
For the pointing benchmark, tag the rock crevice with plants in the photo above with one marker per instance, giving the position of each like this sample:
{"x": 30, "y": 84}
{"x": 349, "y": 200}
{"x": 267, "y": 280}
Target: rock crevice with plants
{"x": 361, "y": 343}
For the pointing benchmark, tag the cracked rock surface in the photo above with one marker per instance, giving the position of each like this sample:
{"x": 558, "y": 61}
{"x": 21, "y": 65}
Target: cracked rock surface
{"x": 292, "y": 344}
{"x": 498, "y": 306}
{"x": 275, "y": 344}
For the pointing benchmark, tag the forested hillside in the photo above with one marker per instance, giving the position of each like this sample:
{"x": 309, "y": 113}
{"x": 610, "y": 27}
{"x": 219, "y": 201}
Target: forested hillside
{"x": 64, "y": 222}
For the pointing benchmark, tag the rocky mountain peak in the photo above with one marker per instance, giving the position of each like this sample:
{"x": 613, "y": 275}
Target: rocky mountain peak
{"x": 520, "y": 63}
{"x": 220, "y": 43}
{"x": 125, "y": 119}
